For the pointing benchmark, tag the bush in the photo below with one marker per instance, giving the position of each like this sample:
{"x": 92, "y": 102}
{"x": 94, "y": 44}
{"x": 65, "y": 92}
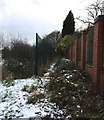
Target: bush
{"x": 25, "y": 88}
{"x": 34, "y": 97}
{"x": 73, "y": 92}
{"x": 31, "y": 100}
{"x": 62, "y": 64}
{"x": 64, "y": 43}
{"x": 18, "y": 59}
{"x": 29, "y": 89}
{"x": 8, "y": 83}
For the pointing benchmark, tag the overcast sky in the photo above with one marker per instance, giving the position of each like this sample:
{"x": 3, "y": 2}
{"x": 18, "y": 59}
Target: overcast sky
{"x": 26, "y": 17}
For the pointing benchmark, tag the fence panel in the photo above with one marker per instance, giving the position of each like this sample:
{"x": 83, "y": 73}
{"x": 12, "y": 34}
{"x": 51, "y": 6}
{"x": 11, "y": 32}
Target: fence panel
{"x": 44, "y": 53}
{"x": 89, "y": 46}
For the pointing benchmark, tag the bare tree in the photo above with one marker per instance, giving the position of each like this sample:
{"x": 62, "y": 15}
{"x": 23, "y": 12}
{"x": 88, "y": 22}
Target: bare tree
{"x": 93, "y": 11}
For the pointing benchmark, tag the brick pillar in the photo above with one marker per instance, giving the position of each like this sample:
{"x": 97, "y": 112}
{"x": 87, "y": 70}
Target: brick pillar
{"x": 83, "y": 50}
{"x": 73, "y": 53}
{"x": 97, "y": 51}
{"x": 76, "y": 55}
{"x": 68, "y": 52}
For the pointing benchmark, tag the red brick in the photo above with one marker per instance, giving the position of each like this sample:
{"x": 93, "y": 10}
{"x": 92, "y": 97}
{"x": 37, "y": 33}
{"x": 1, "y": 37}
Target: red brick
{"x": 96, "y": 72}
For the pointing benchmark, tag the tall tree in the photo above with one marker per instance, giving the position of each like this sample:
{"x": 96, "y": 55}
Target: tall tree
{"x": 93, "y": 10}
{"x": 52, "y": 38}
{"x": 68, "y": 25}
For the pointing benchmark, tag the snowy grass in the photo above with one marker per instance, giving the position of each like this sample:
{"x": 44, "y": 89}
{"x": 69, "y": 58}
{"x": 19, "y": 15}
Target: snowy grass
{"x": 67, "y": 86}
{"x": 13, "y": 100}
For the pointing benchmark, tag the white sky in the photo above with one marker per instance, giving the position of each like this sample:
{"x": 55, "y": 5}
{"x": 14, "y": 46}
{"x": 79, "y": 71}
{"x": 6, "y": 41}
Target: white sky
{"x": 27, "y": 17}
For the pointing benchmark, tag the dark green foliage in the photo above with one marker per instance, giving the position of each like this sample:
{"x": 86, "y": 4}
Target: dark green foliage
{"x": 25, "y": 88}
{"x": 46, "y": 51}
{"x": 6, "y": 53}
{"x": 53, "y": 38}
{"x": 34, "y": 97}
{"x": 31, "y": 100}
{"x": 8, "y": 82}
{"x": 19, "y": 60}
{"x": 20, "y": 56}
{"x": 50, "y": 42}
{"x": 44, "y": 54}
{"x": 21, "y": 50}
{"x": 74, "y": 93}
{"x": 68, "y": 25}
{"x": 63, "y": 46}
{"x": 62, "y": 64}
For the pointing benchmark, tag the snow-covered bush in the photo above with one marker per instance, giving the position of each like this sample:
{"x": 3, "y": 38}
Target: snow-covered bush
{"x": 62, "y": 64}
{"x": 73, "y": 92}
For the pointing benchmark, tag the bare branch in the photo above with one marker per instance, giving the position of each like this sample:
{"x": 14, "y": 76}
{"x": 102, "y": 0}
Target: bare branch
{"x": 85, "y": 21}
{"x": 93, "y": 11}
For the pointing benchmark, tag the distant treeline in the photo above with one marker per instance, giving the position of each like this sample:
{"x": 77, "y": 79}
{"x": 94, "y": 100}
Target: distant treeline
{"x": 19, "y": 57}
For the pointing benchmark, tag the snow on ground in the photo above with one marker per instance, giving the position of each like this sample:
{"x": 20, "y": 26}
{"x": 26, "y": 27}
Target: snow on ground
{"x": 13, "y": 100}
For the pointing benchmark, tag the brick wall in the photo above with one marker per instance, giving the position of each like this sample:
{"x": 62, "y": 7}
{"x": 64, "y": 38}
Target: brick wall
{"x": 83, "y": 50}
{"x": 77, "y": 54}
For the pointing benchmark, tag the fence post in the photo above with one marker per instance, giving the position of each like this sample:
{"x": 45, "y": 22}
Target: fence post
{"x": 36, "y": 56}
{"x": 98, "y": 52}
{"x": 83, "y": 50}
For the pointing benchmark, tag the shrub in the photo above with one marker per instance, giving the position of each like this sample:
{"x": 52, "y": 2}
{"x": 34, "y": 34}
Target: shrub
{"x": 73, "y": 92}
{"x": 61, "y": 65}
{"x": 25, "y": 88}
{"x": 8, "y": 83}
{"x": 34, "y": 97}
{"x": 31, "y": 100}
{"x": 29, "y": 89}
{"x": 64, "y": 43}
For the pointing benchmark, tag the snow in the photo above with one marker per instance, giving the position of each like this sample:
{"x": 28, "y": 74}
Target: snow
{"x": 13, "y": 99}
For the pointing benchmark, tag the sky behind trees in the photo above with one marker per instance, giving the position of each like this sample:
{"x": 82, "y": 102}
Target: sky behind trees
{"x": 26, "y": 17}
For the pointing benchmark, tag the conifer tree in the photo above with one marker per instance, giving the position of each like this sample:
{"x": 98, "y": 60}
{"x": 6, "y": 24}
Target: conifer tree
{"x": 68, "y": 25}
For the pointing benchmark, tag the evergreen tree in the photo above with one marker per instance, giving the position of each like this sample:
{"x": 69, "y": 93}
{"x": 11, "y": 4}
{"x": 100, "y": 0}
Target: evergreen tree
{"x": 68, "y": 25}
